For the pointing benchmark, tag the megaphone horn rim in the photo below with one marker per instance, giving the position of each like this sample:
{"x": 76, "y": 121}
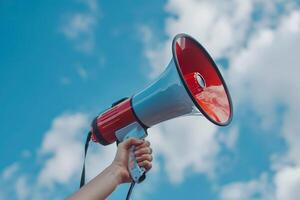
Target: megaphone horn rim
{"x": 184, "y": 35}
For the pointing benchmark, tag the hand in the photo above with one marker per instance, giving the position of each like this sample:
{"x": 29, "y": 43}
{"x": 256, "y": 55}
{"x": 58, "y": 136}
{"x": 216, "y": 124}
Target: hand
{"x": 142, "y": 152}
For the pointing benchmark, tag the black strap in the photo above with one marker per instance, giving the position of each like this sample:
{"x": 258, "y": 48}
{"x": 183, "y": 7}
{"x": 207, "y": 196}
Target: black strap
{"x": 82, "y": 179}
{"x": 130, "y": 190}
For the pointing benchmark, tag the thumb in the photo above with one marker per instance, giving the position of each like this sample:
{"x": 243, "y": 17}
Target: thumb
{"x": 131, "y": 141}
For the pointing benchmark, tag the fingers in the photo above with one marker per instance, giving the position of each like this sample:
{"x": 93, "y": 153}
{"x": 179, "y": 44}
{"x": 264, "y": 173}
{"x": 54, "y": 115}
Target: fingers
{"x": 145, "y": 150}
{"x": 138, "y": 143}
{"x": 147, "y": 157}
{"x": 146, "y": 164}
{"x": 142, "y": 151}
{"x": 132, "y": 141}
{"x": 145, "y": 143}
{"x": 143, "y": 155}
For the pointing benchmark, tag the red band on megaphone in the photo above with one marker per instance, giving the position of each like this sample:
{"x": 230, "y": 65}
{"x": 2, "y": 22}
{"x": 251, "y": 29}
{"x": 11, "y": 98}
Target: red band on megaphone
{"x": 112, "y": 120}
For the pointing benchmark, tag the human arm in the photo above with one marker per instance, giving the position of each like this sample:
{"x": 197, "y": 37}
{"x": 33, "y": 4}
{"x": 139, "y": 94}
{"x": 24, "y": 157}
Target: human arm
{"x": 117, "y": 172}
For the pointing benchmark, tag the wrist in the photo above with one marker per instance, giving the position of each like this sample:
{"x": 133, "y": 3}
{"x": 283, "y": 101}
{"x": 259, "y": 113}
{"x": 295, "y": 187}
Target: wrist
{"x": 117, "y": 172}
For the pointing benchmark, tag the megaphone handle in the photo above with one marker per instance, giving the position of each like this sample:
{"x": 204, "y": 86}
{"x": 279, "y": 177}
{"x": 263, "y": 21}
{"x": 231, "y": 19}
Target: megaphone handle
{"x": 137, "y": 173}
{"x": 134, "y": 130}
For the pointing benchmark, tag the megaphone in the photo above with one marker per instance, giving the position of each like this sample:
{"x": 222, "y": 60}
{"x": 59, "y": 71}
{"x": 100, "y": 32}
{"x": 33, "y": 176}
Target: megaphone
{"x": 190, "y": 85}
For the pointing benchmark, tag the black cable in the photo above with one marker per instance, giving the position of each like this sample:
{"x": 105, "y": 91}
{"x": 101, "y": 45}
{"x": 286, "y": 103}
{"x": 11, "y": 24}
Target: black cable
{"x": 130, "y": 190}
{"x": 86, "y": 146}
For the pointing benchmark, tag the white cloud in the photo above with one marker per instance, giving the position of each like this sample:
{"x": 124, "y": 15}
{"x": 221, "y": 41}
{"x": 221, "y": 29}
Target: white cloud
{"x": 22, "y": 188}
{"x": 253, "y": 189}
{"x": 82, "y": 72}
{"x": 79, "y": 24}
{"x": 219, "y": 25}
{"x": 79, "y": 27}
{"x": 270, "y": 65}
{"x": 265, "y": 73}
{"x": 10, "y": 171}
{"x": 97, "y": 152}
{"x": 185, "y": 143}
{"x": 229, "y": 139}
{"x": 222, "y": 27}
{"x": 61, "y": 158}
{"x": 64, "y": 145}
{"x": 158, "y": 53}
{"x": 287, "y": 183}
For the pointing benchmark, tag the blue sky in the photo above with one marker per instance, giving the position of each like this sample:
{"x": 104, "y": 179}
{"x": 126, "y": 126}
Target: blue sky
{"x": 62, "y": 62}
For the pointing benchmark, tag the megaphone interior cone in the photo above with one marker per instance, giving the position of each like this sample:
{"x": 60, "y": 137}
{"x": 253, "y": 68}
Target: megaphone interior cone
{"x": 202, "y": 79}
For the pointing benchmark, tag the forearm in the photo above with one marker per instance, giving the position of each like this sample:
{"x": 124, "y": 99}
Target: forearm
{"x": 101, "y": 186}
